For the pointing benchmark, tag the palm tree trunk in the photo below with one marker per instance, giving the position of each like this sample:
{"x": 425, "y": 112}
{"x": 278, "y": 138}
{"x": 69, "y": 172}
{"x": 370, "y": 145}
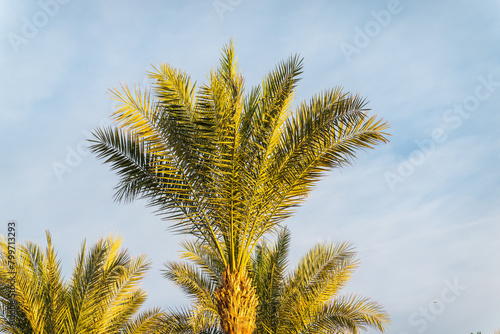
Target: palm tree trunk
{"x": 236, "y": 302}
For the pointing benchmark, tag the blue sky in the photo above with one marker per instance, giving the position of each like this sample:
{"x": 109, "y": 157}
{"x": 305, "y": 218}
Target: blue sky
{"x": 422, "y": 211}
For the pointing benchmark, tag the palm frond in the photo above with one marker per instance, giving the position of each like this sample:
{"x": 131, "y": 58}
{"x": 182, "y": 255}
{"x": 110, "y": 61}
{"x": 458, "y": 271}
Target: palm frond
{"x": 190, "y": 280}
{"x": 146, "y": 322}
{"x": 269, "y": 266}
{"x": 204, "y": 258}
{"x": 189, "y": 321}
{"x": 102, "y": 295}
{"x": 351, "y": 313}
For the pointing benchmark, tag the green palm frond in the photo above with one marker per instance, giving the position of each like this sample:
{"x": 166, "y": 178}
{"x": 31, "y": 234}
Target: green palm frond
{"x": 324, "y": 270}
{"x": 318, "y": 278}
{"x": 204, "y": 258}
{"x": 194, "y": 282}
{"x": 39, "y": 290}
{"x": 350, "y": 313}
{"x": 102, "y": 295}
{"x": 177, "y": 321}
{"x": 146, "y": 322}
{"x": 268, "y": 269}
{"x": 190, "y": 321}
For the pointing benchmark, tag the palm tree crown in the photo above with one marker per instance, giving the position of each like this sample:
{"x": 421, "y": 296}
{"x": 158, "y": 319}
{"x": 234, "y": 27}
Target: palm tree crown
{"x": 230, "y": 166}
{"x": 102, "y": 295}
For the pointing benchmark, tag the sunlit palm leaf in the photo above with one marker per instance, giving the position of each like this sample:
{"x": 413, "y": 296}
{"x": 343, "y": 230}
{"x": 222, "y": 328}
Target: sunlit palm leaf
{"x": 102, "y": 295}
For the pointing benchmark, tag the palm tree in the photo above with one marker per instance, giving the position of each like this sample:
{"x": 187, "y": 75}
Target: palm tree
{"x": 229, "y": 167}
{"x": 305, "y": 300}
{"x": 102, "y": 295}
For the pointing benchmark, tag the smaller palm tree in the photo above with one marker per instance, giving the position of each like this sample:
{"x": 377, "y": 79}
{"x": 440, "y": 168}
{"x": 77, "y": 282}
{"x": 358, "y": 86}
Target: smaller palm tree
{"x": 102, "y": 295}
{"x": 306, "y": 300}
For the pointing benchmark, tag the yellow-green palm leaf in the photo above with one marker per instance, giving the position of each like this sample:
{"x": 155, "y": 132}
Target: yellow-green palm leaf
{"x": 102, "y": 295}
